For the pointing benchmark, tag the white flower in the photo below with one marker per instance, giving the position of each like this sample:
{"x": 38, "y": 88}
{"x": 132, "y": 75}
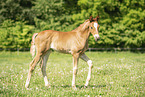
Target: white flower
{"x": 36, "y": 88}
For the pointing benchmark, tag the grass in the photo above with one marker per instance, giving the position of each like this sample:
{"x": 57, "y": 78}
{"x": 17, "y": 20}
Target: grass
{"x": 114, "y": 74}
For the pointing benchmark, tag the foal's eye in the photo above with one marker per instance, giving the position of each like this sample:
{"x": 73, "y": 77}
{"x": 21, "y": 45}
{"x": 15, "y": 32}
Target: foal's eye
{"x": 91, "y": 27}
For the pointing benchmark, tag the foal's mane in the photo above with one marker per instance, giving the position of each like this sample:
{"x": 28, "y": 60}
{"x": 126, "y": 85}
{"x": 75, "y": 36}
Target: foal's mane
{"x": 82, "y": 26}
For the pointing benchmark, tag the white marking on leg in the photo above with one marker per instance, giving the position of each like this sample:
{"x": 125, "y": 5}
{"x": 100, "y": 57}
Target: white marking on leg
{"x": 86, "y": 59}
{"x": 89, "y": 62}
{"x": 89, "y": 72}
{"x": 74, "y": 75}
{"x": 27, "y": 83}
{"x": 75, "y": 67}
{"x": 45, "y": 58}
{"x": 46, "y": 81}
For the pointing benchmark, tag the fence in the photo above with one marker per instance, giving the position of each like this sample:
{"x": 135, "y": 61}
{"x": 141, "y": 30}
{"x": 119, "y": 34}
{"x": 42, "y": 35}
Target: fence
{"x": 116, "y": 49}
{"x": 89, "y": 49}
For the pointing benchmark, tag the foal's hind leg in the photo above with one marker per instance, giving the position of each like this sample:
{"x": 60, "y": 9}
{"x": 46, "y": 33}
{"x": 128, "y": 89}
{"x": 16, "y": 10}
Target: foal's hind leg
{"x": 43, "y": 67}
{"x": 86, "y": 59}
{"x": 31, "y": 69}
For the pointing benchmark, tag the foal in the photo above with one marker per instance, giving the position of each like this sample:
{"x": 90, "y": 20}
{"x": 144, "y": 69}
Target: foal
{"x": 74, "y": 42}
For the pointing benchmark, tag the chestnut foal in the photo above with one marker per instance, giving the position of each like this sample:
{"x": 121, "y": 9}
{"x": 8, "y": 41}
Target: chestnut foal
{"x": 74, "y": 42}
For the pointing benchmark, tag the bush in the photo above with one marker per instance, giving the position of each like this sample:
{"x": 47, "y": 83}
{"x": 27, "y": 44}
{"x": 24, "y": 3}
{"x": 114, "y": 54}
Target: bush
{"x": 15, "y": 34}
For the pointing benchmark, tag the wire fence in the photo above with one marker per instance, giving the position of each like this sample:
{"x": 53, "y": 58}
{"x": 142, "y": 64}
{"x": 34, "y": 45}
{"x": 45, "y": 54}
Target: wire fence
{"x": 89, "y": 49}
{"x": 117, "y": 49}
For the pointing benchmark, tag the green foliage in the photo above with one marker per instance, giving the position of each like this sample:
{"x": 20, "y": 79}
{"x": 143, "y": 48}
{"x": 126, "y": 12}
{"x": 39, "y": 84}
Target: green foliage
{"x": 15, "y": 34}
{"x": 135, "y": 20}
{"x": 16, "y": 10}
{"x": 122, "y": 22}
{"x": 50, "y": 14}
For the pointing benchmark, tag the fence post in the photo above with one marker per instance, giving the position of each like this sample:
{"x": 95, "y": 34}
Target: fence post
{"x": 115, "y": 49}
{"x": 17, "y": 51}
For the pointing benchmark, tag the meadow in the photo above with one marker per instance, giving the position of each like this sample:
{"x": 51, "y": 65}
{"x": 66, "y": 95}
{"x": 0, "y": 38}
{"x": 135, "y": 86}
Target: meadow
{"x": 114, "y": 74}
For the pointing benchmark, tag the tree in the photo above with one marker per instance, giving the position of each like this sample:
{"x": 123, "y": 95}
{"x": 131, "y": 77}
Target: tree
{"x": 15, "y": 34}
{"x": 122, "y": 22}
{"x": 16, "y": 10}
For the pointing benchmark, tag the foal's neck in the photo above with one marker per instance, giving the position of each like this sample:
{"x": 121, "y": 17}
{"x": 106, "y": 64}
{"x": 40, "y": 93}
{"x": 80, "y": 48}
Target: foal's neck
{"x": 82, "y": 33}
{"x": 84, "y": 29}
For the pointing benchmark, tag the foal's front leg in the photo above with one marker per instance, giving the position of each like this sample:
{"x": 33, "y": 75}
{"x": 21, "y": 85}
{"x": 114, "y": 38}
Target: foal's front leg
{"x": 75, "y": 68}
{"x": 86, "y": 59}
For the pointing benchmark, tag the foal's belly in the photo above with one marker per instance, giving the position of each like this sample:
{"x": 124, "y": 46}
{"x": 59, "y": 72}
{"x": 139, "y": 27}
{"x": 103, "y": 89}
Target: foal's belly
{"x": 60, "y": 49}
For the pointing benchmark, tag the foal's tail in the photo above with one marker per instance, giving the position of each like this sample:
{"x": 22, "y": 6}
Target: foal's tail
{"x": 32, "y": 49}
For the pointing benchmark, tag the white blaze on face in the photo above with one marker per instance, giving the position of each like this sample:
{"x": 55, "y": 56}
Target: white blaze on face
{"x": 96, "y": 27}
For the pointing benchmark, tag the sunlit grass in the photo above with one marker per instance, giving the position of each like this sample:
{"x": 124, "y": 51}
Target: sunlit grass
{"x": 114, "y": 74}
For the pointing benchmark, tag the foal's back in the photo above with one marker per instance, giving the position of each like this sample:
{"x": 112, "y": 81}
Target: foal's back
{"x": 60, "y": 41}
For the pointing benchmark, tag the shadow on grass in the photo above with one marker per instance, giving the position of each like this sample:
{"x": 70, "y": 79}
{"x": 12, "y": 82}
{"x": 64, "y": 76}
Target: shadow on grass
{"x": 80, "y": 87}
{"x": 91, "y": 86}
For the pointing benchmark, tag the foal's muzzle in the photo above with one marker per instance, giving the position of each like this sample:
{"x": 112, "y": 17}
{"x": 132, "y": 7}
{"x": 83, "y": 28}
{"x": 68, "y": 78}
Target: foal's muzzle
{"x": 97, "y": 37}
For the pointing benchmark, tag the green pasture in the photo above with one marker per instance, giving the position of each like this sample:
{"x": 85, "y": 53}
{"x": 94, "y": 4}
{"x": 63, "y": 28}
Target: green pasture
{"x": 114, "y": 74}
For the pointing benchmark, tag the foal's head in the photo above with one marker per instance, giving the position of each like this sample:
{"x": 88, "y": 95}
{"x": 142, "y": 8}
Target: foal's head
{"x": 94, "y": 27}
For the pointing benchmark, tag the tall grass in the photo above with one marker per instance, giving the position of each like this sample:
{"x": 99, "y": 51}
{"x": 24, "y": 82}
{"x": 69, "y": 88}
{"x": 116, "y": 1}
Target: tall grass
{"x": 113, "y": 74}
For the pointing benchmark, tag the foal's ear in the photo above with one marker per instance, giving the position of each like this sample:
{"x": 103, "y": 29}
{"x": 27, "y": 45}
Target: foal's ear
{"x": 91, "y": 18}
{"x": 97, "y": 18}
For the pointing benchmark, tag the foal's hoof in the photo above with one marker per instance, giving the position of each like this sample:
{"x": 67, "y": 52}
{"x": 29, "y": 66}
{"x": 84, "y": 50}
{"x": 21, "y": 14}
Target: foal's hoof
{"x": 49, "y": 87}
{"x": 85, "y": 86}
{"x": 74, "y": 88}
{"x": 26, "y": 86}
{"x": 29, "y": 88}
